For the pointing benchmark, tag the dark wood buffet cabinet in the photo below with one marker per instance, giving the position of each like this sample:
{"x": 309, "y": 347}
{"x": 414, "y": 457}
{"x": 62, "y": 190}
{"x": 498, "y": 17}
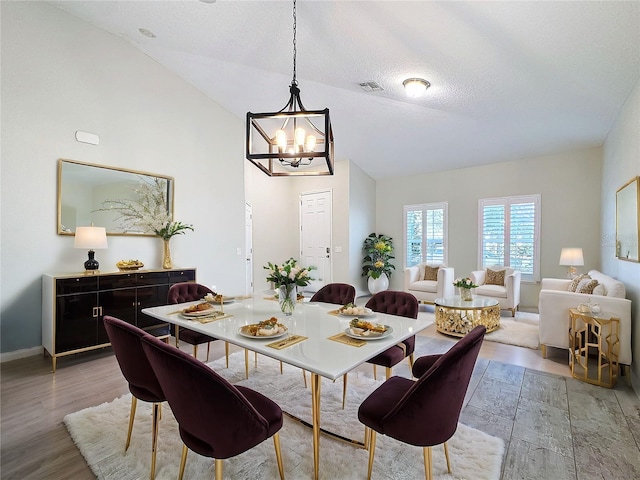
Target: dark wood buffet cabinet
{"x": 73, "y": 306}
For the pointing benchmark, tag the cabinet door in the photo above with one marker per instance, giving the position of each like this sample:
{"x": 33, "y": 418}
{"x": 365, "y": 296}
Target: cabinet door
{"x": 116, "y": 303}
{"x": 151, "y": 296}
{"x": 76, "y": 321}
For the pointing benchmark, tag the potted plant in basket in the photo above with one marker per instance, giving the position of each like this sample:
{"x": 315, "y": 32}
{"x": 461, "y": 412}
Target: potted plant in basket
{"x": 376, "y": 265}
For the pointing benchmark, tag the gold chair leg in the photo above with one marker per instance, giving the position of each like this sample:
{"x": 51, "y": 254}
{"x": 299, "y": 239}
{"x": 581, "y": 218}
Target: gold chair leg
{"x": 132, "y": 416}
{"x": 183, "y": 461}
{"x": 218, "y": 469}
{"x": 427, "y": 463}
{"x": 513, "y": 312}
{"x": 344, "y": 389}
{"x": 195, "y": 351}
{"x": 280, "y": 368}
{"x": 367, "y": 437}
{"x": 446, "y": 455}
{"x": 374, "y": 372}
{"x": 543, "y": 348}
{"x": 255, "y": 359}
{"x": 304, "y": 375}
{"x": 208, "y": 349}
{"x": 226, "y": 352}
{"x": 276, "y": 443}
{"x": 177, "y": 333}
{"x": 411, "y": 362}
{"x": 154, "y": 437}
{"x": 246, "y": 363}
{"x": 388, "y": 372}
{"x": 372, "y": 449}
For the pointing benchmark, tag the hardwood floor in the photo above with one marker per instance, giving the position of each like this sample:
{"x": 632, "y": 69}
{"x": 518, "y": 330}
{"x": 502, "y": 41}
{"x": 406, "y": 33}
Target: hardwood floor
{"x": 35, "y": 442}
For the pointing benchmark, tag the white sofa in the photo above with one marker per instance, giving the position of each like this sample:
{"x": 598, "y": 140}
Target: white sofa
{"x": 508, "y": 294}
{"x": 428, "y": 290}
{"x": 555, "y": 301}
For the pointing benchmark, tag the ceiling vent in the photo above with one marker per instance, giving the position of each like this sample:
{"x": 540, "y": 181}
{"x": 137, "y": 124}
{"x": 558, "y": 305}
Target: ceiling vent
{"x": 371, "y": 87}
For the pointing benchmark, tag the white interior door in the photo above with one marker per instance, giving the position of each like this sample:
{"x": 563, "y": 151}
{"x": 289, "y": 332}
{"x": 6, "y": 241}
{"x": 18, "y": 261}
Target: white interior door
{"x": 315, "y": 236}
{"x": 248, "y": 248}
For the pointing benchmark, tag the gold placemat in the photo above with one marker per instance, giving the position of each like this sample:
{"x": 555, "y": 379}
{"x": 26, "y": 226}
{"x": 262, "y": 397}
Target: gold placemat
{"x": 342, "y": 338}
{"x": 209, "y": 318}
{"x": 287, "y": 342}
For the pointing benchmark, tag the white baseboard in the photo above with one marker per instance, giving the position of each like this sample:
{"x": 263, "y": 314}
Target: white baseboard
{"x": 25, "y": 352}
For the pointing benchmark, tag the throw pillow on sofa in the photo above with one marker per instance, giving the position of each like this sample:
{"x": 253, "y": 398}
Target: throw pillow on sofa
{"x": 495, "y": 277}
{"x": 574, "y": 283}
{"x": 431, "y": 273}
{"x": 586, "y": 286}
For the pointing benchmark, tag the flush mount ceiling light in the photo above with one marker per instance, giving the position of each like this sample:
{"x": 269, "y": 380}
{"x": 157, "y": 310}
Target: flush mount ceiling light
{"x": 415, "y": 87}
{"x": 292, "y": 141}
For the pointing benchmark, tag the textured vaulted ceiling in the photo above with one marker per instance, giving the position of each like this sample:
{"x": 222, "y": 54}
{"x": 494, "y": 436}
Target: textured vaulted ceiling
{"x": 509, "y": 80}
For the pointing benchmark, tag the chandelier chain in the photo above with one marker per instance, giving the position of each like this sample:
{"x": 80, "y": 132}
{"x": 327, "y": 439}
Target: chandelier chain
{"x": 294, "y": 82}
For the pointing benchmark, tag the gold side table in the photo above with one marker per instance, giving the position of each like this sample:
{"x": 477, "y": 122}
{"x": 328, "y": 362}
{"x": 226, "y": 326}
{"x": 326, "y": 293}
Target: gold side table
{"x": 458, "y": 317}
{"x": 594, "y": 346}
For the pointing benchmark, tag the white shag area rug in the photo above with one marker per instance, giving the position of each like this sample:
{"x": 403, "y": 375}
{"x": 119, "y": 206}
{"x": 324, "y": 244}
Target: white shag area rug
{"x": 100, "y": 434}
{"x": 521, "y": 330}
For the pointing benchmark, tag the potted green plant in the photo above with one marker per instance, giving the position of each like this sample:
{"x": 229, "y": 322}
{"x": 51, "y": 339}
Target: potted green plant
{"x": 376, "y": 265}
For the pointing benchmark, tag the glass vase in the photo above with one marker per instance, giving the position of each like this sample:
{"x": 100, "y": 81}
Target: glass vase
{"x": 465, "y": 294}
{"x": 166, "y": 255}
{"x": 288, "y": 297}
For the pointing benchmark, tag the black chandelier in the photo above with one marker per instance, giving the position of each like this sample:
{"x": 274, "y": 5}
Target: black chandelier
{"x": 285, "y": 143}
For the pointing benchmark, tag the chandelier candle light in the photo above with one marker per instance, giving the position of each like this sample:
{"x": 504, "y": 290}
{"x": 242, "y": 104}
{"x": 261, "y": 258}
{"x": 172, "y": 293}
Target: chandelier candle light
{"x": 285, "y": 143}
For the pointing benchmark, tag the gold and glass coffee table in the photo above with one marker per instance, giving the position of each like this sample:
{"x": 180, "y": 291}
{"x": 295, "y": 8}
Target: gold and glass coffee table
{"x": 458, "y": 317}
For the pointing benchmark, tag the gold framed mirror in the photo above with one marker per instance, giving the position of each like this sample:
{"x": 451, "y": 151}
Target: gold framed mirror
{"x": 86, "y": 192}
{"x": 628, "y": 220}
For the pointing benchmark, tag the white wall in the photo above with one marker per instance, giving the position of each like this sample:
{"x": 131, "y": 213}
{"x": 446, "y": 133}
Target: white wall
{"x": 622, "y": 163}
{"x": 60, "y": 75}
{"x": 362, "y": 221}
{"x": 569, "y": 184}
{"x": 276, "y": 222}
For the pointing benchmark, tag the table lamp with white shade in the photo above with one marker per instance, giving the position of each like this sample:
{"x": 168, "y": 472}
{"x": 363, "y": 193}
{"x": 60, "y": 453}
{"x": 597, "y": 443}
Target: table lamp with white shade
{"x": 571, "y": 257}
{"x": 92, "y": 238}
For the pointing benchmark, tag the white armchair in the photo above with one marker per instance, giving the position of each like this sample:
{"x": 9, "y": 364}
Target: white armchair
{"x": 428, "y": 290}
{"x": 508, "y": 294}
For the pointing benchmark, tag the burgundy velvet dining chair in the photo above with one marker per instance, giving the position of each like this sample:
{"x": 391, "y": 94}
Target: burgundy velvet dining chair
{"x": 215, "y": 418}
{"x": 424, "y": 412}
{"x": 189, "y": 292}
{"x": 127, "y": 345}
{"x": 338, "y": 293}
{"x": 403, "y": 304}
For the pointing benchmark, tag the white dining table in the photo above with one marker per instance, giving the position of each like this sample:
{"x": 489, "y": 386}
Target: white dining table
{"x": 318, "y": 354}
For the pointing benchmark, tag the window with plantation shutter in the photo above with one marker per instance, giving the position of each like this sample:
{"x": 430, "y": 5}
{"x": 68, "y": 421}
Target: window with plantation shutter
{"x": 509, "y": 234}
{"x": 425, "y": 233}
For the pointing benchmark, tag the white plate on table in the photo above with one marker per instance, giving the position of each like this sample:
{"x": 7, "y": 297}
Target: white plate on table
{"x": 225, "y": 300}
{"x": 199, "y": 313}
{"x": 248, "y": 335}
{"x": 388, "y": 332}
{"x": 366, "y": 312}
